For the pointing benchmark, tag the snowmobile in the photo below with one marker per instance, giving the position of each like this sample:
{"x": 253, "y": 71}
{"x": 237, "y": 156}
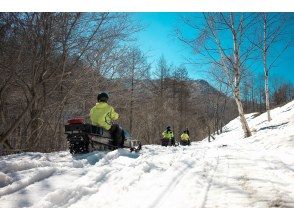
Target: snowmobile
{"x": 185, "y": 143}
{"x": 85, "y": 138}
{"x": 168, "y": 142}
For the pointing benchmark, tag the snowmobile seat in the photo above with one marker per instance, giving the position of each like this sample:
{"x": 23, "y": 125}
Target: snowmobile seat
{"x": 86, "y": 128}
{"x": 77, "y": 125}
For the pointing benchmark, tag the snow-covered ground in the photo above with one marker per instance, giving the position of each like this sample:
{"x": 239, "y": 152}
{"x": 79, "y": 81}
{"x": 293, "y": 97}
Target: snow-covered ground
{"x": 228, "y": 172}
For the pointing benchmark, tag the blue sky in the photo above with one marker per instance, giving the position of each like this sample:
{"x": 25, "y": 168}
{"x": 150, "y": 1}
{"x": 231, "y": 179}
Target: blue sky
{"x": 157, "y": 39}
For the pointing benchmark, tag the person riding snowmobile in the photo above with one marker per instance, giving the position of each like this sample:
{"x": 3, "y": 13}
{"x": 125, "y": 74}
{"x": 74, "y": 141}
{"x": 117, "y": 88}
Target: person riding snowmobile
{"x": 103, "y": 115}
{"x": 185, "y": 139}
{"x": 168, "y": 137}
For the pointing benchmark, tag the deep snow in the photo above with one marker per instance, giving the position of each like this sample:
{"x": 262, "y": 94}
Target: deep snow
{"x": 229, "y": 172}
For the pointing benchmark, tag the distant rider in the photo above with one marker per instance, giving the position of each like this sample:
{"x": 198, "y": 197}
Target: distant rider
{"x": 185, "y": 139}
{"x": 168, "y": 137}
{"x": 102, "y": 115}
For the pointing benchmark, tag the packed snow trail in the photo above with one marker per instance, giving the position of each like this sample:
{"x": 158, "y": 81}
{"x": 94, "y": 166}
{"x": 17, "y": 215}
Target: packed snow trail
{"x": 228, "y": 172}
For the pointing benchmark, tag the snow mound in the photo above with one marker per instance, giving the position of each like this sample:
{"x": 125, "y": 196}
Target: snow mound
{"x": 231, "y": 171}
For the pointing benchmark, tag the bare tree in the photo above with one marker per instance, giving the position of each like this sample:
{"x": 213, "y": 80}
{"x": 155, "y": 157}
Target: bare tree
{"x": 50, "y": 52}
{"x": 181, "y": 95}
{"x": 272, "y": 30}
{"x": 159, "y": 89}
{"x": 220, "y": 41}
{"x": 133, "y": 71}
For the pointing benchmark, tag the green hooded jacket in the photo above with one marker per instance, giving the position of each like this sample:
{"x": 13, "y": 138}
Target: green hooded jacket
{"x": 167, "y": 134}
{"x": 185, "y": 137}
{"x": 102, "y": 114}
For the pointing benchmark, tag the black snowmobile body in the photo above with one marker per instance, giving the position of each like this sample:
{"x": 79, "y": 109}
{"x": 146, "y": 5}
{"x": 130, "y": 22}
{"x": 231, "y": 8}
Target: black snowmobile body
{"x": 185, "y": 143}
{"x": 168, "y": 142}
{"x": 85, "y": 138}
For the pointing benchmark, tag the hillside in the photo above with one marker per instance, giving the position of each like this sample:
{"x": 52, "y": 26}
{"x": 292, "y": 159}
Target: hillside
{"x": 228, "y": 172}
{"x": 202, "y": 87}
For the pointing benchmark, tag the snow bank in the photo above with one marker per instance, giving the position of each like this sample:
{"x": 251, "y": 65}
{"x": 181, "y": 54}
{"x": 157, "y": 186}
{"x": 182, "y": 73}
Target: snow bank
{"x": 5, "y": 179}
{"x": 228, "y": 172}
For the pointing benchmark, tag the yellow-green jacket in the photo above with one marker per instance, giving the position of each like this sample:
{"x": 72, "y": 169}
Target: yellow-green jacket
{"x": 185, "y": 137}
{"x": 102, "y": 114}
{"x": 167, "y": 134}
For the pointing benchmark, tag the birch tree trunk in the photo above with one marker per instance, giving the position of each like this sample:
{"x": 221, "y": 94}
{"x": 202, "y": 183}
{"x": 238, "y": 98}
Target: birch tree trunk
{"x": 237, "y": 79}
{"x": 265, "y": 68}
{"x": 243, "y": 120}
{"x": 132, "y": 96}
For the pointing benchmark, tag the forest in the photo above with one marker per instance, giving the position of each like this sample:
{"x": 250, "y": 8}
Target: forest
{"x": 53, "y": 65}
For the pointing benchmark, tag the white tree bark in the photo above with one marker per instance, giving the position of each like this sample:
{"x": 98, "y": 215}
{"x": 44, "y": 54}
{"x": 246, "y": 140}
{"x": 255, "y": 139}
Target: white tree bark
{"x": 237, "y": 79}
{"x": 265, "y": 68}
{"x": 245, "y": 127}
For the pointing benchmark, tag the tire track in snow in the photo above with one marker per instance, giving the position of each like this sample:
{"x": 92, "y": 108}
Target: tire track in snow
{"x": 43, "y": 173}
{"x": 209, "y": 183}
{"x": 86, "y": 185}
{"x": 65, "y": 197}
{"x": 206, "y": 176}
{"x": 172, "y": 185}
{"x": 209, "y": 164}
{"x": 118, "y": 186}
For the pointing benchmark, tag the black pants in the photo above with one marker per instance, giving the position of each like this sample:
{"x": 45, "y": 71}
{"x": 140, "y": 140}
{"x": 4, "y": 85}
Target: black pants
{"x": 185, "y": 143}
{"x": 172, "y": 141}
{"x": 117, "y": 135}
{"x": 166, "y": 142}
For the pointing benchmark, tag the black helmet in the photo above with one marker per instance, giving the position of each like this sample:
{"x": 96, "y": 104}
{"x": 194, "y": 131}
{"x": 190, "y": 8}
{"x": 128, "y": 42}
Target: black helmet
{"x": 168, "y": 128}
{"x": 102, "y": 97}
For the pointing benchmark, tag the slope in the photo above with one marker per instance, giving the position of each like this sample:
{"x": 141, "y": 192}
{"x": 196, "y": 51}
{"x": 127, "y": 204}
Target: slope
{"x": 228, "y": 172}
